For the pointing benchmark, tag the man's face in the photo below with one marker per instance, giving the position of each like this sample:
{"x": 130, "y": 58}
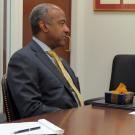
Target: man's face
{"x": 57, "y": 29}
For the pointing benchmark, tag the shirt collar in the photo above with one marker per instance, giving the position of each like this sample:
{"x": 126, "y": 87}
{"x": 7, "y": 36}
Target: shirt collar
{"x": 41, "y": 44}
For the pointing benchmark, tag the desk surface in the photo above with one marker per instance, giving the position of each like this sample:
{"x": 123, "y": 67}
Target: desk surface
{"x": 92, "y": 121}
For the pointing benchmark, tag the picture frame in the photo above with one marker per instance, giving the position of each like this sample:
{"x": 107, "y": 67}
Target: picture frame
{"x": 114, "y": 5}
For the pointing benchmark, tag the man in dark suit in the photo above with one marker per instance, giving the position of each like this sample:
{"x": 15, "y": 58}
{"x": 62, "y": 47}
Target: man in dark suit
{"x": 35, "y": 82}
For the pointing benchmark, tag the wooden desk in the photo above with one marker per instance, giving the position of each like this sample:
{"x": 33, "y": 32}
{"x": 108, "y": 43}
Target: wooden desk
{"x": 92, "y": 121}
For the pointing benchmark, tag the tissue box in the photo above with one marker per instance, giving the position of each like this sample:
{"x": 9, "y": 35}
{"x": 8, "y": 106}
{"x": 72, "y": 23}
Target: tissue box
{"x": 120, "y": 99}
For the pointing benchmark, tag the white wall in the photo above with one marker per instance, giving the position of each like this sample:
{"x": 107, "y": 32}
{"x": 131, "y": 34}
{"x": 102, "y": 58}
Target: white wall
{"x": 14, "y": 26}
{"x": 1, "y": 50}
{"x": 77, "y": 41}
{"x": 96, "y": 38}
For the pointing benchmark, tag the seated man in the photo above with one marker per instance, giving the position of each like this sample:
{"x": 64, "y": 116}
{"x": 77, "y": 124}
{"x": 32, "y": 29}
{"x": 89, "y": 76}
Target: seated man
{"x": 36, "y": 80}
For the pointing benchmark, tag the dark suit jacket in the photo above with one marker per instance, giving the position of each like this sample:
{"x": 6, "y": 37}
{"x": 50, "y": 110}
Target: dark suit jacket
{"x": 35, "y": 83}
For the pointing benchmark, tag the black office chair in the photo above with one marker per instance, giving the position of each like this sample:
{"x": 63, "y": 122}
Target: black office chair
{"x": 8, "y": 104}
{"x": 123, "y": 70}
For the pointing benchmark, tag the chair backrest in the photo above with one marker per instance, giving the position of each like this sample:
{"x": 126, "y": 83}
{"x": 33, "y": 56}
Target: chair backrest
{"x": 123, "y": 70}
{"x": 8, "y": 104}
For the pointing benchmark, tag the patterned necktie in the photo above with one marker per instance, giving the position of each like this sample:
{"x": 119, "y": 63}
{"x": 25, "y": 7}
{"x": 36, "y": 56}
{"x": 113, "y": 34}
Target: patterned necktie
{"x": 67, "y": 76}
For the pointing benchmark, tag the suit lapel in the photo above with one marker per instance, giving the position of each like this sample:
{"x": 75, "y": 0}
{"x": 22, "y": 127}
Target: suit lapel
{"x": 71, "y": 73}
{"x": 47, "y": 62}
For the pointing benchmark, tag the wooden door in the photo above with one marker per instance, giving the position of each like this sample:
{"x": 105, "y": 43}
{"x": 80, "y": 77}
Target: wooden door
{"x": 27, "y": 7}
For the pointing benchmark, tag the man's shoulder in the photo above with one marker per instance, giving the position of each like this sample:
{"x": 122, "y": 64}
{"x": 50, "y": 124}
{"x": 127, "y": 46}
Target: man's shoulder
{"x": 25, "y": 51}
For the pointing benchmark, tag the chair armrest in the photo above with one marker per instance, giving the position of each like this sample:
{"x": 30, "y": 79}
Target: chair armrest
{"x": 89, "y": 101}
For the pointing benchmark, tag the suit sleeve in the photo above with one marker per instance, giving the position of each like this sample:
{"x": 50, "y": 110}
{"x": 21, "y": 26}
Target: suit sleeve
{"x": 23, "y": 81}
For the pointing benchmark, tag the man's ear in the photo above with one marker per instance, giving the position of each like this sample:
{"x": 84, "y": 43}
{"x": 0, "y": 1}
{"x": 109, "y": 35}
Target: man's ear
{"x": 42, "y": 26}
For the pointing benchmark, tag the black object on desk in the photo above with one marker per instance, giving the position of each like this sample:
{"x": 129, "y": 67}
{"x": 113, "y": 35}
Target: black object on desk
{"x": 101, "y": 103}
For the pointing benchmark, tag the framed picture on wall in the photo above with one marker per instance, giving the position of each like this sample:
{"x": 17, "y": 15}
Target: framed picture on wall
{"x": 114, "y": 5}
